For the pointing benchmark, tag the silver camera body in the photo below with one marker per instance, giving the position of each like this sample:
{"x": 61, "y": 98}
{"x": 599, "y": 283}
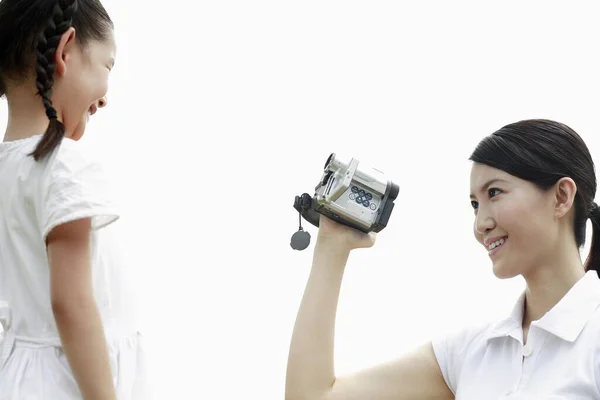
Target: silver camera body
{"x": 352, "y": 194}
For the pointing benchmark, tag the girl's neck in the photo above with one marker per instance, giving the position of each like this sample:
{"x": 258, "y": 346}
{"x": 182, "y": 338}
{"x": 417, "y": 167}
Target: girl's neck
{"x": 26, "y": 115}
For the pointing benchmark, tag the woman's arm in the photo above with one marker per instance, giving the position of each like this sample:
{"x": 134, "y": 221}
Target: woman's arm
{"x": 75, "y": 311}
{"x": 310, "y": 373}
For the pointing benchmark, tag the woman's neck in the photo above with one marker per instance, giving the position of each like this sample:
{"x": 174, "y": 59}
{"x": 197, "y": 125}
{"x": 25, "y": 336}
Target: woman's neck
{"x": 549, "y": 283}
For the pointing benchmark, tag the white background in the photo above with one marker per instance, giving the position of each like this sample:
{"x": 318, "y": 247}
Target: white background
{"x": 221, "y": 112}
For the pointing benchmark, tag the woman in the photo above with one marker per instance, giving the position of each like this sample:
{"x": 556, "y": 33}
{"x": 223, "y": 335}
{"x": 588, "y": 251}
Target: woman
{"x": 532, "y": 190}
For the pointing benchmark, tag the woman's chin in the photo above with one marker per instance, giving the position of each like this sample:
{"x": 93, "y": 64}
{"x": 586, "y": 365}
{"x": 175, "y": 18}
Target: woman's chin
{"x": 502, "y": 272}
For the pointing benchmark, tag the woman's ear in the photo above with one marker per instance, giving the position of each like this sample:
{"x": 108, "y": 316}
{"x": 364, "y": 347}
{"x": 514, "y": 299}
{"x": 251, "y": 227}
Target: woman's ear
{"x": 565, "y": 191}
{"x": 64, "y": 50}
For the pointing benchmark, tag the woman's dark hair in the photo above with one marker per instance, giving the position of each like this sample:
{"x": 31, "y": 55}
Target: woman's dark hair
{"x": 542, "y": 152}
{"x": 30, "y": 31}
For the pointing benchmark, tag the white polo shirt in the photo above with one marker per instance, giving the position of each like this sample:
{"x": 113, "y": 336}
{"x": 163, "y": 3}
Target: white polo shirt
{"x": 561, "y": 359}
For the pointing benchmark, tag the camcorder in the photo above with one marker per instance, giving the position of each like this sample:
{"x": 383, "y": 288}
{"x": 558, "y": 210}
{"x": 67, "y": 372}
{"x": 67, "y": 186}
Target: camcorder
{"x": 349, "y": 193}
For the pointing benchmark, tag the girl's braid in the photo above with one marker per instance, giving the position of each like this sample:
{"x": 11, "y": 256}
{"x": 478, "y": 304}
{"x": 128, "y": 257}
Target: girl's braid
{"x": 62, "y": 15}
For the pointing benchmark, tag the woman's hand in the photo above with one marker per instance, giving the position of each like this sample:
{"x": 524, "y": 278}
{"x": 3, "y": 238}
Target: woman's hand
{"x": 343, "y": 236}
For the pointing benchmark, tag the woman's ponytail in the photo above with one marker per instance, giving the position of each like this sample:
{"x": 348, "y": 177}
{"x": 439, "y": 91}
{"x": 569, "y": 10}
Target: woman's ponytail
{"x": 593, "y": 260}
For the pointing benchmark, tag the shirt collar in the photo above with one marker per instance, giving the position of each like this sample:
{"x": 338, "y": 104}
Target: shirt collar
{"x": 565, "y": 320}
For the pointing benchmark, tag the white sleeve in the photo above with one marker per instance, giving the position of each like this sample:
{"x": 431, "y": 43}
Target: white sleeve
{"x": 450, "y": 351}
{"x": 74, "y": 187}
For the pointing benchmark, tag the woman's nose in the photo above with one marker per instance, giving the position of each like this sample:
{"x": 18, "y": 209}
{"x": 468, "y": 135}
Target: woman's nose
{"x": 483, "y": 223}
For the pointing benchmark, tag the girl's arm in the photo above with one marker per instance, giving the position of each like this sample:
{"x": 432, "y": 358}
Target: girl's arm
{"x": 75, "y": 311}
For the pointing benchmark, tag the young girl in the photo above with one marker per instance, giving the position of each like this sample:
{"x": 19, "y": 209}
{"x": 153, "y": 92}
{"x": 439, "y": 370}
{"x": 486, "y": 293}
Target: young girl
{"x": 532, "y": 191}
{"x": 70, "y": 327}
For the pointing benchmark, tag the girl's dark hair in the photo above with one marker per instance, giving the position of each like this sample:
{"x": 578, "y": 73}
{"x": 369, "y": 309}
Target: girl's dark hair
{"x": 542, "y": 152}
{"x": 30, "y": 31}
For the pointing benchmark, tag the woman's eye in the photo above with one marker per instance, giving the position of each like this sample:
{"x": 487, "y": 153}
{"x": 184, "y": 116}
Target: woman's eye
{"x": 494, "y": 192}
{"x": 474, "y": 204}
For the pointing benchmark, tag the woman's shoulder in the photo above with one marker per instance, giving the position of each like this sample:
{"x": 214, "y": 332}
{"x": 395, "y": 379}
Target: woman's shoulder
{"x": 467, "y": 335}
{"x": 591, "y": 328}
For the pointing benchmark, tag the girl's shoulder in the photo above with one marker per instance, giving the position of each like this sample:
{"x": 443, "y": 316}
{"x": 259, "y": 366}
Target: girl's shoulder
{"x": 71, "y": 160}
{"x": 69, "y": 152}
{"x": 75, "y": 185}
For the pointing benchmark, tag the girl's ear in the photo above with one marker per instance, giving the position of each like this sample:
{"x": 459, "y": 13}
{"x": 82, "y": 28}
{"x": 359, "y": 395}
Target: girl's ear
{"x": 64, "y": 51}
